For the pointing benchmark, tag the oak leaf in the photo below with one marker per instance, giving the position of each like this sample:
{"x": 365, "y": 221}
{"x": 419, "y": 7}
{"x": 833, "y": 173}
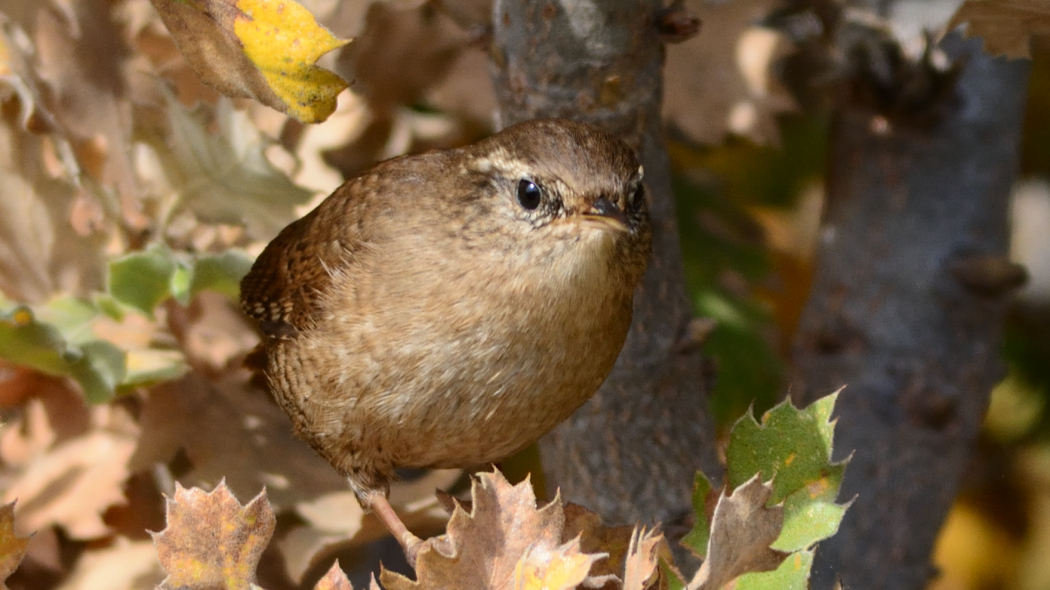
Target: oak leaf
{"x": 12, "y": 546}
{"x": 642, "y": 570}
{"x": 211, "y": 540}
{"x": 232, "y": 431}
{"x": 742, "y": 530}
{"x": 559, "y": 568}
{"x": 335, "y": 579}
{"x": 500, "y": 544}
{"x": 75, "y": 479}
{"x": 792, "y": 447}
{"x": 596, "y": 537}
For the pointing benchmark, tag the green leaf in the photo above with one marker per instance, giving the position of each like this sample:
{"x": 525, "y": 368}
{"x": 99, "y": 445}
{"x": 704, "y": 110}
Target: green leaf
{"x": 96, "y": 365}
{"x": 811, "y": 514}
{"x": 71, "y": 316}
{"x": 25, "y": 341}
{"x": 794, "y": 445}
{"x": 100, "y": 370}
{"x": 143, "y": 279}
{"x": 109, "y": 306}
{"x": 697, "y": 538}
{"x": 221, "y": 273}
{"x": 793, "y": 449}
{"x": 674, "y": 580}
{"x": 793, "y": 574}
{"x": 180, "y": 284}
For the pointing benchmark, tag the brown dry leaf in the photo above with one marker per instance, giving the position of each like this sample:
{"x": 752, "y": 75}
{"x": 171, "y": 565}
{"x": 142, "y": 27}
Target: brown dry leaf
{"x": 12, "y": 546}
{"x": 437, "y": 65}
{"x": 74, "y": 481}
{"x": 408, "y": 38}
{"x": 468, "y": 14}
{"x": 642, "y": 569}
{"x": 66, "y": 61}
{"x": 1007, "y": 26}
{"x": 82, "y": 56}
{"x": 466, "y": 90}
{"x": 742, "y": 529}
{"x": 231, "y": 430}
{"x": 595, "y": 537}
{"x": 258, "y": 49}
{"x": 211, "y": 541}
{"x": 40, "y": 253}
{"x": 427, "y": 48}
{"x": 721, "y": 81}
{"x": 215, "y": 334}
{"x": 32, "y": 433}
{"x": 125, "y": 565}
{"x": 56, "y": 413}
{"x": 335, "y": 579}
{"x": 17, "y": 384}
{"x": 156, "y": 55}
{"x": 336, "y": 521}
{"x": 503, "y": 528}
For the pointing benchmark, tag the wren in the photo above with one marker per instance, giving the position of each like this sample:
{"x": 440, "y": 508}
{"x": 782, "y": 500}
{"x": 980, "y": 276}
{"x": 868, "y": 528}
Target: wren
{"x": 447, "y": 309}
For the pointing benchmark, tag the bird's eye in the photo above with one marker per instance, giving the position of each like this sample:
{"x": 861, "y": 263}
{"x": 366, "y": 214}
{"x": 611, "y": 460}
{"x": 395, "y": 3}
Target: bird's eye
{"x": 529, "y": 194}
{"x": 634, "y": 201}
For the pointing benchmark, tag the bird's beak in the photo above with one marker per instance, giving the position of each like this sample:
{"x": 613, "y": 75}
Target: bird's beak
{"x": 606, "y": 215}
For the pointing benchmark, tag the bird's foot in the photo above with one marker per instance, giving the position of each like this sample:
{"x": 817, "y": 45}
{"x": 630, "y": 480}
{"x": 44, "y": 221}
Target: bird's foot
{"x": 414, "y": 546}
{"x": 411, "y": 544}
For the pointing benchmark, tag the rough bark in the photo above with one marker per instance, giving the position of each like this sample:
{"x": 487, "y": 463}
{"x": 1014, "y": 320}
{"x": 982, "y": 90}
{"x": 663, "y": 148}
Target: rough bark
{"x": 901, "y": 312}
{"x": 631, "y": 452}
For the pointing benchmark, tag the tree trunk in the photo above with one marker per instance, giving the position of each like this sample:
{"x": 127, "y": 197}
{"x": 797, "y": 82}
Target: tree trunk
{"x": 632, "y": 451}
{"x": 907, "y": 308}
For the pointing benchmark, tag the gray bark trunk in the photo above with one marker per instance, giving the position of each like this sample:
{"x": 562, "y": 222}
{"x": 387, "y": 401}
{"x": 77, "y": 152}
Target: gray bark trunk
{"x": 631, "y": 452}
{"x": 896, "y": 315}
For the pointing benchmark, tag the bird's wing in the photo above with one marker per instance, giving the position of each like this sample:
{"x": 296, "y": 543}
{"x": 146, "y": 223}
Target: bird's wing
{"x": 284, "y": 287}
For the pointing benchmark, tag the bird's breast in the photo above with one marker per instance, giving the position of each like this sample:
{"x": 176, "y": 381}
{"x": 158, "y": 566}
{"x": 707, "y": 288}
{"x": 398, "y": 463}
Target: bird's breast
{"x": 477, "y": 364}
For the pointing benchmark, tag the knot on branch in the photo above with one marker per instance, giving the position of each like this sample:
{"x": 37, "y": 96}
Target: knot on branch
{"x": 988, "y": 275}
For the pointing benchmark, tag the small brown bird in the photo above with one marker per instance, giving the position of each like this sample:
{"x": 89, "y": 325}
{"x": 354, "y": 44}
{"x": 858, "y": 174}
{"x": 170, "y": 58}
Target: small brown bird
{"x": 447, "y": 309}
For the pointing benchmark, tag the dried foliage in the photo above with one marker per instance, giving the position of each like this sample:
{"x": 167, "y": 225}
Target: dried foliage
{"x": 211, "y": 541}
{"x": 12, "y": 546}
{"x": 721, "y": 81}
{"x": 742, "y": 530}
{"x": 504, "y": 541}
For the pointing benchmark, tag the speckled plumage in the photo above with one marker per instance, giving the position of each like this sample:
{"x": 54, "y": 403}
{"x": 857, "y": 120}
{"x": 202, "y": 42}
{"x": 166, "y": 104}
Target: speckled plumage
{"x": 422, "y": 317}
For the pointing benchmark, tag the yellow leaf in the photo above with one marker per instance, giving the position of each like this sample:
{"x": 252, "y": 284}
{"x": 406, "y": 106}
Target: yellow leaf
{"x": 262, "y": 49}
{"x": 561, "y": 569}
{"x": 284, "y": 42}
